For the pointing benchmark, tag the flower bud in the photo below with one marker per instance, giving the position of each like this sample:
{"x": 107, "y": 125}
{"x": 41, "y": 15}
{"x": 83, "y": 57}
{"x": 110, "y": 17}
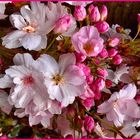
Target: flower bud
{"x": 112, "y": 52}
{"x": 63, "y": 24}
{"x": 103, "y": 53}
{"x": 89, "y": 79}
{"x": 80, "y": 13}
{"x": 90, "y": 8}
{"x": 102, "y": 26}
{"x": 137, "y": 98}
{"x": 86, "y": 70}
{"x": 102, "y": 72}
{"x": 117, "y": 59}
{"x": 94, "y": 15}
{"x": 89, "y": 123}
{"x": 99, "y": 83}
{"x": 104, "y": 13}
{"x": 113, "y": 42}
{"x": 108, "y": 83}
{"x": 138, "y": 18}
{"x": 88, "y": 103}
{"x": 80, "y": 57}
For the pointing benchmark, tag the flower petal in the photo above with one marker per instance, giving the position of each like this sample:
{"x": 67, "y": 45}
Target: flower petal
{"x": 17, "y": 21}
{"x": 4, "y": 104}
{"x": 23, "y": 59}
{"x": 65, "y": 61}
{"x": 31, "y": 41}
{"x": 6, "y": 82}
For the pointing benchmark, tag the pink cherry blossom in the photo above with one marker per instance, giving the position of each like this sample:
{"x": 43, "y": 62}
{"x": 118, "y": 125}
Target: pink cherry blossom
{"x": 87, "y": 41}
{"x": 31, "y": 26}
{"x": 121, "y": 106}
{"x": 28, "y": 92}
{"x": 64, "y": 80}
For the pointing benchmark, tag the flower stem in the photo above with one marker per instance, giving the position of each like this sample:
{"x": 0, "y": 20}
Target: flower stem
{"x": 137, "y": 33}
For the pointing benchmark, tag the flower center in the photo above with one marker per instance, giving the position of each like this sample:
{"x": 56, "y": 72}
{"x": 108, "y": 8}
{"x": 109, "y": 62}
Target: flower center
{"x": 29, "y": 29}
{"x": 28, "y": 80}
{"x": 88, "y": 48}
{"x": 58, "y": 79}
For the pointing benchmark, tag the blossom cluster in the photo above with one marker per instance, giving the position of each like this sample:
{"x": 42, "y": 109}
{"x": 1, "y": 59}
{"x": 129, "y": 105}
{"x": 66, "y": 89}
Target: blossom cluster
{"x": 71, "y": 73}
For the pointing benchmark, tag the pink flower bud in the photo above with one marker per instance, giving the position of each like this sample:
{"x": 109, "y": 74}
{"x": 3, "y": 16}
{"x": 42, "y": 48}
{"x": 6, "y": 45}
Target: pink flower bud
{"x": 89, "y": 123}
{"x": 137, "y": 98}
{"x": 104, "y": 13}
{"x": 108, "y": 83}
{"x": 88, "y": 103}
{"x": 94, "y": 15}
{"x": 63, "y": 24}
{"x": 90, "y": 8}
{"x": 80, "y": 57}
{"x": 99, "y": 83}
{"x": 103, "y": 53}
{"x": 112, "y": 52}
{"x": 89, "y": 79}
{"x": 102, "y": 26}
{"x": 86, "y": 70}
{"x": 80, "y": 13}
{"x": 138, "y": 18}
{"x": 113, "y": 42}
{"x": 117, "y": 59}
{"x": 102, "y": 72}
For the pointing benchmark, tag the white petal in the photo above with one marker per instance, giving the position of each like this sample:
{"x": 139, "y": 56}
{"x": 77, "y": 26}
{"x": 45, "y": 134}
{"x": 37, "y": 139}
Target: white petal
{"x": 27, "y": 14}
{"x": 128, "y": 92}
{"x": 55, "y": 108}
{"x": 65, "y": 61}
{"x": 31, "y": 41}
{"x": 4, "y": 104}
{"x": 20, "y": 113}
{"x": 67, "y": 100}
{"x": 71, "y": 90}
{"x": 49, "y": 65}
{"x": 6, "y": 82}
{"x": 11, "y": 40}
{"x": 23, "y": 59}
{"x": 55, "y": 92}
{"x": 17, "y": 21}
{"x": 74, "y": 76}
{"x": 17, "y": 71}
